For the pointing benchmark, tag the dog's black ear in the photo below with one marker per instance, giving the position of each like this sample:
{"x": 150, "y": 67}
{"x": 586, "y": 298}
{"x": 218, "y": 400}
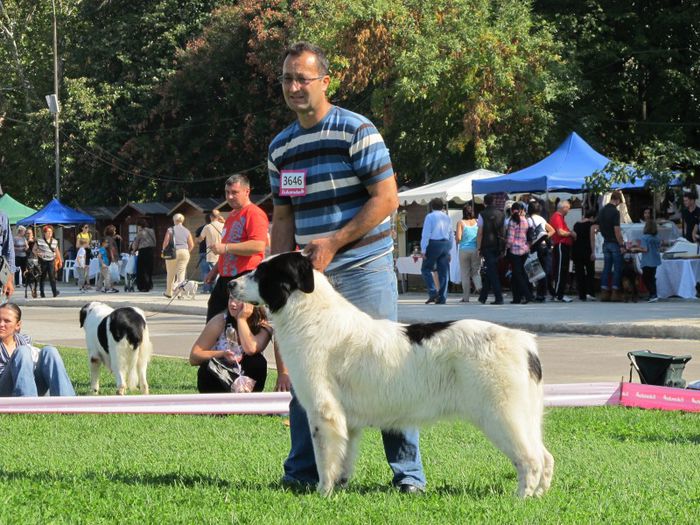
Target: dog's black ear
{"x": 304, "y": 272}
{"x": 83, "y": 314}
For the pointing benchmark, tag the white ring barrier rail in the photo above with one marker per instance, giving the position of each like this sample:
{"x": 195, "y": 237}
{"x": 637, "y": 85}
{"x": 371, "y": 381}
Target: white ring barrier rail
{"x": 262, "y": 403}
{"x": 266, "y": 403}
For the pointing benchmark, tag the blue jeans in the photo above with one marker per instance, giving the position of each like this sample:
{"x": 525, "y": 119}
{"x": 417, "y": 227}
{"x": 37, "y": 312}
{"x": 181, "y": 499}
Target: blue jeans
{"x": 612, "y": 259}
{"x": 372, "y": 288}
{"x": 491, "y": 281}
{"x": 21, "y": 378}
{"x": 204, "y": 269}
{"x": 437, "y": 255}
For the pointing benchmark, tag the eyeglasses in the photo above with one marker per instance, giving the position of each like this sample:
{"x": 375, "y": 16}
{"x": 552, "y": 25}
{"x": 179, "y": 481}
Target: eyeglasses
{"x": 288, "y": 80}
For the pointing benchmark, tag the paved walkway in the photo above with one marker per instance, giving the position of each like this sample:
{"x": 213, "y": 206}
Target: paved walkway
{"x": 673, "y": 319}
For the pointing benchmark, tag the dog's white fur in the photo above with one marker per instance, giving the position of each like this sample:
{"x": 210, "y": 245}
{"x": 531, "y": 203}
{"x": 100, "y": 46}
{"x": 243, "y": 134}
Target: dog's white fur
{"x": 128, "y": 364}
{"x": 350, "y": 371}
{"x": 186, "y": 289}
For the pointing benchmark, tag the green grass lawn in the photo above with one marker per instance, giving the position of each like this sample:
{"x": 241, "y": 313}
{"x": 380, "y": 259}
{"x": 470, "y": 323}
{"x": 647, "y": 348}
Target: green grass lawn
{"x": 613, "y": 465}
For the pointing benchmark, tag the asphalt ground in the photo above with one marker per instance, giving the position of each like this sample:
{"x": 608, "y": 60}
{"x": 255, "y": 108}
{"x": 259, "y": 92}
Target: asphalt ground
{"x": 579, "y": 341}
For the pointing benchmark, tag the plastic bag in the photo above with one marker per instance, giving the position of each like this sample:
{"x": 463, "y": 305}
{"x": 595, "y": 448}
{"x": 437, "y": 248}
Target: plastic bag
{"x": 243, "y": 385}
{"x": 114, "y": 272}
{"x": 130, "y": 267}
{"x": 533, "y": 268}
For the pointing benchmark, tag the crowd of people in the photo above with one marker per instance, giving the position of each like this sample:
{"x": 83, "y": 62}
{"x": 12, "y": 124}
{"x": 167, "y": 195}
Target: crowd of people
{"x": 507, "y": 239}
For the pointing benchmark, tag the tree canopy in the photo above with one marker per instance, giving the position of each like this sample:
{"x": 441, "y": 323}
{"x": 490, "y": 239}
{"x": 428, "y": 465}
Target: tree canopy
{"x": 167, "y": 98}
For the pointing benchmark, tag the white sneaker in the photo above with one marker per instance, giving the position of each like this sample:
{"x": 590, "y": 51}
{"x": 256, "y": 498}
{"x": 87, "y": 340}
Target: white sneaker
{"x": 591, "y": 298}
{"x": 653, "y": 300}
{"x": 565, "y": 299}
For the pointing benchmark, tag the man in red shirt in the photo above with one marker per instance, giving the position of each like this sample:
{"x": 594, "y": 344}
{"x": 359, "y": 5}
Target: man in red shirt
{"x": 562, "y": 241}
{"x": 243, "y": 241}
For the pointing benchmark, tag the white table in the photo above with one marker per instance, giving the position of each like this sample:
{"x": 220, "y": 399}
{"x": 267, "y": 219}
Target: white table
{"x": 411, "y": 265}
{"x": 677, "y": 277}
{"x": 667, "y": 232}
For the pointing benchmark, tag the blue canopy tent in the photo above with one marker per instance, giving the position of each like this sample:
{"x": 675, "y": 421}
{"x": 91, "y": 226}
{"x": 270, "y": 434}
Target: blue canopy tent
{"x": 56, "y": 213}
{"x": 563, "y": 170}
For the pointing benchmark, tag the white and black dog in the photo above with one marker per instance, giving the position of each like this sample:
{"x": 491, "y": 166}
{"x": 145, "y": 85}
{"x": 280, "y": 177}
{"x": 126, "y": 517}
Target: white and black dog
{"x": 119, "y": 339}
{"x": 350, "y": 371}
{"x": 186, "y": 289}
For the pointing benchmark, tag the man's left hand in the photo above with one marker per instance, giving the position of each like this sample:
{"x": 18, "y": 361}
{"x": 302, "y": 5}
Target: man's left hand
{"x": 320, "y": 252}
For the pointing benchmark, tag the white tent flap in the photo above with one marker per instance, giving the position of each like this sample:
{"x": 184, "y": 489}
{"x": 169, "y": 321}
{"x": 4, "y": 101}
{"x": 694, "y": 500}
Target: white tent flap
{"x": 458, "y": 189}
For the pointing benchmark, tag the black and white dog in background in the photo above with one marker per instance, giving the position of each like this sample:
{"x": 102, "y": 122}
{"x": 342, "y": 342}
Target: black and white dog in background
{"x": 120, "y": 340}
{"x": 31, "y": 277}
{"x": 350, "y": 371}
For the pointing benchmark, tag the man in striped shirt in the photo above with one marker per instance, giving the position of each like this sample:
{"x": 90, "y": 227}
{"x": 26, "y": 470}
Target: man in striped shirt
{"x": 334, "y": 191}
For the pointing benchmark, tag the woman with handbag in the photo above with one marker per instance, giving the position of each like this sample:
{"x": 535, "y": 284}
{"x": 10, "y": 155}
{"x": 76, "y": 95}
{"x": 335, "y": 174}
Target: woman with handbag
{"x": 543, "y": 247}
{"x": 216, "y": 354}
{"x": 176, "y": 267}
{"x": 46, "y": 250}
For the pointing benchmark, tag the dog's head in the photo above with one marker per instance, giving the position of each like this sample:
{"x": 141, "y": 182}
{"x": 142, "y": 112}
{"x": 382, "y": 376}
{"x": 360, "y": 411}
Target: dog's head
{"x": 88, "y": 309}
{"x": 274, "y": 280}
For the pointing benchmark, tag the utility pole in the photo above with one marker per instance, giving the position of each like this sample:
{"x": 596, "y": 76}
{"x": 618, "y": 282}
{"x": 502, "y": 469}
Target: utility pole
{"x": 58, "y": 107}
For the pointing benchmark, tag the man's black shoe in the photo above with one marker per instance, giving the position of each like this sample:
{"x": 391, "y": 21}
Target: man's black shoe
{"x": 431, "y": 300}
{"x": 410, "y": 489}
{"x": 497, "y": 302}
{"x": 297, "y": 487}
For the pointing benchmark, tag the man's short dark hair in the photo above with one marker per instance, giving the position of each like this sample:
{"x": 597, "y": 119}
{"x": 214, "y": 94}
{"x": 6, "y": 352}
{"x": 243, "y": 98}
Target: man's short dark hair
{"x": 238, "y": 178}
{"x": 298, "y": 48}
{"x": 690, "y": 195}
{"x": 488, "y": 199}
{"x": 436, "y": 204}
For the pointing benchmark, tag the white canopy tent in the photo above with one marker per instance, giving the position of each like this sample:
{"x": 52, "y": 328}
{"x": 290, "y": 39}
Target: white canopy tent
{"x": 458, "y": 189}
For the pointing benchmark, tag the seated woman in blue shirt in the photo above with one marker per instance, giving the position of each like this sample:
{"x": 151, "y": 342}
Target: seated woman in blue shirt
{"x": 24, "y": 369}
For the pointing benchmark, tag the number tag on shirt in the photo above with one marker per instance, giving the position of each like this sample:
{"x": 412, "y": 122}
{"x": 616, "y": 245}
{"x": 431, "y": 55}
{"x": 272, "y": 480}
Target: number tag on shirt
{"x": 292, "y": 183}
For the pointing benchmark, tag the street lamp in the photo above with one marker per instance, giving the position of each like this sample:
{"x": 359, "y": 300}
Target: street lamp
{"x": 54, "y": 106}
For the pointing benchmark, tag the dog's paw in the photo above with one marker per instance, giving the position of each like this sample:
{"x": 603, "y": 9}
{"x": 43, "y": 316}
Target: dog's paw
{"x": 326, "y": 492}
{"x": 120, "y": 391}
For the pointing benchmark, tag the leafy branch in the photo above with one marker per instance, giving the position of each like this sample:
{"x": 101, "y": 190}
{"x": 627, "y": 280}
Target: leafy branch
{"x": 661, "y": 164}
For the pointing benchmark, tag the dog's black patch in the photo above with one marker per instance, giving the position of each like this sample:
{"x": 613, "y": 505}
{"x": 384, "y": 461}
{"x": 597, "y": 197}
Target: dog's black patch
{"x": 83, "y": 315}
{"x": 534, "y": 366}
{"x": 281, "y": 275}
{"x": 127, "y": 322}
{"x": 102, "y": 335}
{"x": 419, "y": 331}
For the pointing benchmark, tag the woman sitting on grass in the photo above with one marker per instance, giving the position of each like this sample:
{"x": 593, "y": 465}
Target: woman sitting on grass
{"x": 25, "y": 370}
{"x": 252, "y": 334}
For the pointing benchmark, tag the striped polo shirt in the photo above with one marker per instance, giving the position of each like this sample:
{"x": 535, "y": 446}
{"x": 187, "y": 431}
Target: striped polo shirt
{"x": 338, "y": 158}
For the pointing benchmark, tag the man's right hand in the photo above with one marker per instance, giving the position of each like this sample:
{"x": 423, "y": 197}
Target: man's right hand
{"x": 211, "y": 276}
